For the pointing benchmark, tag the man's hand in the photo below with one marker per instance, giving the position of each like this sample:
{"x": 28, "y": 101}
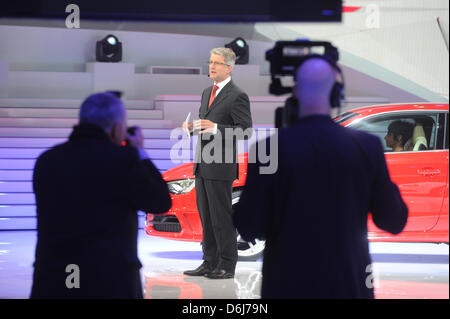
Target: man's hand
{"x": 205, "y": 126}
{"x": 136, "y": 140}
{"x": 190, "y": 127}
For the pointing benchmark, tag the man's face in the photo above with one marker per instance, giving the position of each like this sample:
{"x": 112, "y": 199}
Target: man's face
{"x": 218, "y": 70}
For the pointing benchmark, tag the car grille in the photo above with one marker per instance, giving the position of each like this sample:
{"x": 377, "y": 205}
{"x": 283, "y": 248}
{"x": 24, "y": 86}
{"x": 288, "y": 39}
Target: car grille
{"x": 167, "y": 223}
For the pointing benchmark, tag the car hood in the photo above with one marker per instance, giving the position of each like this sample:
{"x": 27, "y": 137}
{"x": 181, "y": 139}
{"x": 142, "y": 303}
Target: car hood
{"x": 184, "y": 171}
{"x": 179, "y": 172}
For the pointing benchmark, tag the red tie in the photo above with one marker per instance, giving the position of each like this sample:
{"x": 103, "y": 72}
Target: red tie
{"x": 213, "y": 95}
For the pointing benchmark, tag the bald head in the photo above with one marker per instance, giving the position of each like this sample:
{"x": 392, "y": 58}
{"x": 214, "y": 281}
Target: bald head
{"x": 315, "y": 79}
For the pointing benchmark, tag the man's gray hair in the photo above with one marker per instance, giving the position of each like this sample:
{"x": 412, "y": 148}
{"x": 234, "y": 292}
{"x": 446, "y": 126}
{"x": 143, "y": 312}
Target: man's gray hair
{"x": 102, "y": 109}
{"x": 228, "y": 55}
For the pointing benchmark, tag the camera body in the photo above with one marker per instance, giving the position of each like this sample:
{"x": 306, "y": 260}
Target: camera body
{"x": 285, "y": 58}
{"x": 131, "y": 130}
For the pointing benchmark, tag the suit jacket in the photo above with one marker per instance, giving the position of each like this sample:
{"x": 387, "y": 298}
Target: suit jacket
{"x": 88, "y": 191}
{"x": 313, "y": 211}
{"x": 231, "y": 111}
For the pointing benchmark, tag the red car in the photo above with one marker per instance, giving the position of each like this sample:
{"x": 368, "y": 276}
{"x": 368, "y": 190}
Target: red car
{"x": 420, "y": 171}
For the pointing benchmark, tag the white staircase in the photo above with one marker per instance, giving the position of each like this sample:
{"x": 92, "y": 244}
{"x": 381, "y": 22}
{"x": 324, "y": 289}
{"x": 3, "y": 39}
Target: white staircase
{"x": 28, "y": 127}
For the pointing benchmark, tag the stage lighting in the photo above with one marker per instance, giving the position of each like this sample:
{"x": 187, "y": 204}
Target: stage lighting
{"x": 109, "y": 49}
{"x": 241, "y": 49}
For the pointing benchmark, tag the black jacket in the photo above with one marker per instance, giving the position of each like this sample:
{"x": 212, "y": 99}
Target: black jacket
{"x": 88, "y": 191}
{"x": 230, "y": 110}
{"x": 313, "y": 211}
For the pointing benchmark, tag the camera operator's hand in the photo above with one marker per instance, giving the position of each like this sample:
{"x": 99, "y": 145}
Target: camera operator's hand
{"x": 136, "y": 140}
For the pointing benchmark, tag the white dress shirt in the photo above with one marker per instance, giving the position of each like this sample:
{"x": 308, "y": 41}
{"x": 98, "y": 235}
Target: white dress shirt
{"x": 222, "y": 84}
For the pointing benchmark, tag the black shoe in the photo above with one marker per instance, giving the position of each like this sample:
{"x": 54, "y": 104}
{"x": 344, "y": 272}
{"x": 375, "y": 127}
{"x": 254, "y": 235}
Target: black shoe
{"x": 202, "y": 270}
{"x": 219, "y": 274}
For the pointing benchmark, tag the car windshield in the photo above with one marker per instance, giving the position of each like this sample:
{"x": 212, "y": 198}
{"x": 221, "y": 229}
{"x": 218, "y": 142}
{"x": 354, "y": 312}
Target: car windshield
{"x": 344, "y": 117}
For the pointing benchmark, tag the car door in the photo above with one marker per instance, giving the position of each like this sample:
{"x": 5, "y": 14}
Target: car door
{"x": 420, "y": 172}
{"x": 441, "y": 228}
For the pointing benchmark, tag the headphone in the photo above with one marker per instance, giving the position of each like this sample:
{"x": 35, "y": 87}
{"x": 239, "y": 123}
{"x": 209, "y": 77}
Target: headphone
{"x": 289, "y": 114}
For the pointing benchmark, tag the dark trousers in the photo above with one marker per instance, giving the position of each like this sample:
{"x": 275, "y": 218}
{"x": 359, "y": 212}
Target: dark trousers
{"x": 219, "y": 234}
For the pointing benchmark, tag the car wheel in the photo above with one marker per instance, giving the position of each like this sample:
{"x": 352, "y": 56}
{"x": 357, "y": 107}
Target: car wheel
{"x": 247, "y": 251}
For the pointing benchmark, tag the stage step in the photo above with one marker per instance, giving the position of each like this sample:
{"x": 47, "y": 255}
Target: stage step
{"x": 23, "y": 211}
{"x": 30, "y": 223}
{"x": 16, "y": 175}
{"x": 17, "y": 198}
{"x": 17, "y": 210}
{"x": 28, "y": 142}
{"x": 19, "y": 175}
{"x": 16, "y": 187}
{"x": 65, "y": 132}
{"x": 28, "y": 153}
{"x": 21, "y": 153}
{"x": 33, "y": 112}
{"x": 28, "y": 164}
{"x": 68, "y": 103}
{"x": 18, "y": 223}
{"x": 70, "y": 122}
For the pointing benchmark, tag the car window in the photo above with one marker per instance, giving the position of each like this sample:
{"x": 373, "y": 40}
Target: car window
{"x": 414, "y": 132}
{"x": 446, "y": 135}
{"x": 442, "y": 132}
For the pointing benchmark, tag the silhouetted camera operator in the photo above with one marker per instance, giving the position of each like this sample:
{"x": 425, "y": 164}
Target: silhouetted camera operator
{"x": 313, "y": 211}
{"x": 88, "y": 191}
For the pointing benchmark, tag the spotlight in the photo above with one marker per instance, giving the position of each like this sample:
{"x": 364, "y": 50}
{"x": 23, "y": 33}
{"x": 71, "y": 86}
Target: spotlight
{"x": 241, "y": 49}
{"x": 109, "y": 49}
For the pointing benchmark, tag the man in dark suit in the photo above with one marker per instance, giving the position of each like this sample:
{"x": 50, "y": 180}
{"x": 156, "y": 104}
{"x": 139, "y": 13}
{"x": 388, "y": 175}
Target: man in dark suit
{"x": 313, "y": 210}
{"x": 88, "y": 191}
{"x": 224, "y": 118}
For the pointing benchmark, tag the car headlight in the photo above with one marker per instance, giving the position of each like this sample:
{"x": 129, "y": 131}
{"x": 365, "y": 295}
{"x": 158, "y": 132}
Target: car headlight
{"x": 181, "y": 186}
